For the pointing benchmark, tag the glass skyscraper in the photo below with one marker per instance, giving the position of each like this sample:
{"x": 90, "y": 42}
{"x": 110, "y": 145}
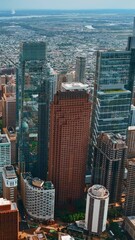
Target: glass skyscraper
{"x": 113, "y": 92}
{"x": 33, "y": 99}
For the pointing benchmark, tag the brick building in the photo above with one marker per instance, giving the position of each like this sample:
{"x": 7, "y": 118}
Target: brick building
{"x": 9, "y": 220}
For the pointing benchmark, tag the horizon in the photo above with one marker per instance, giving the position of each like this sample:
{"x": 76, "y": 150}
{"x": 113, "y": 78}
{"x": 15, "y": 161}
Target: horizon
{"x": 66, "y": 9}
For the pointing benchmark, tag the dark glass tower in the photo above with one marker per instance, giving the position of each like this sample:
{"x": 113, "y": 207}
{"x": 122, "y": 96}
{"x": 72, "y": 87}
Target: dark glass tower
{"x": 33, "y": 98}
{"x": 80, "y": 69}
{"x": 113, "y": 93}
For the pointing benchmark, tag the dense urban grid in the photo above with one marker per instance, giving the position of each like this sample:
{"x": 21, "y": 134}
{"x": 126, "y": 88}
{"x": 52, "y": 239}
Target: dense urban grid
{"x": 67, "y": 125}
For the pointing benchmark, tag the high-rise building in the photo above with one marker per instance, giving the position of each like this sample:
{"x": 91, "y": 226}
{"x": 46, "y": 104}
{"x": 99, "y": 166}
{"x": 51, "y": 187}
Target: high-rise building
{"x": 68, "y": 145}
{"x": 131, "y": 142}
{"x": 9, "y": 110}
{"x": 38, "y": 197}
{"x": 10, "y": 131}
{"x": 80, "y": 69}
{"x": 9, "y": 220}
{"x": 113, "y": 93}
{"x": 34, "y": 87}
{"x": 5, "y": 154}
{"x": 129, "y": 208}
{"x": 96, "y": 209}
{"x": 9, "y": 183}
{"x": 131, "y": 39}
{"x": 110, "y": 155}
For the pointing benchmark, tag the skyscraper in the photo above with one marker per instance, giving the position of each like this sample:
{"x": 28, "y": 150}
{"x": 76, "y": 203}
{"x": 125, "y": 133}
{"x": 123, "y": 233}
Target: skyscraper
{"x": 10, "y": 182}
{"x": 110, "y": 154}
{"x": 113, "y": 93}
{"x": 80, "y": 69}
{"x": 131, "y": 142}
{"x": 34, "y": 82}
{"x": 9, "y": 110}
{"x": 68, "y": 146}
{"x": 131, "y": 39}
{"x": 96, "y": 209}
{"x": 129, "y": 207}
{"x": 5, "y": 154}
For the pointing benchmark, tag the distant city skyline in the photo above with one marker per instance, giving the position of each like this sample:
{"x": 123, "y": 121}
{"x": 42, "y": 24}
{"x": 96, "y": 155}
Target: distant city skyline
{"x": 70, "y": 4}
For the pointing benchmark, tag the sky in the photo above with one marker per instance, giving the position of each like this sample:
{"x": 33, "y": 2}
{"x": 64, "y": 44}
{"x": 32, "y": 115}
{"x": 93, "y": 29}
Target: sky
{"x": 66, "y": 4}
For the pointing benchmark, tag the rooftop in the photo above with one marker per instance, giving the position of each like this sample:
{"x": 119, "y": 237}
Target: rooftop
{"x": 132, "y": 219}
{"x": 37, "y": 182}
{"x": 131, "y": 161}
{"x": 4, "y": 202}
{"x": 9, "y": 172}
{"x": 4, "y": 139}
{"x": 98, "y": 191}
{"x": 113, "y": 91}
{"x": 74, "y": 86}
{"x": 131, "y": 128}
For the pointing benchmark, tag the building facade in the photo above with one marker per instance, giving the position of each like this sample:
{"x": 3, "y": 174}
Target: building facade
{"x": 5, "y": 154}
{"x": 130, "y": 226}
{"x": 38, "y": 197}
{"x": 112, "y": 93}
{"x": 129, "y": 207}
{"x": 9, "y": 110}
{"x": 34, "y": 86}
{"x": 9, "y": 220}
{"x": 80, "y": 69}
{"x": 10, "y": 183}
{"x": 12, "y": 137}
{"x": 131, "y": 142}
{"x": 68, "y": 146}
{"x": 96, "y": 209}
{"x": 110, "y": 155}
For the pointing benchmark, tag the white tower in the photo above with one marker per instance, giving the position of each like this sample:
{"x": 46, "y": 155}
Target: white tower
{"x": 96, "y": 209}
{"x": 5, "y": 154}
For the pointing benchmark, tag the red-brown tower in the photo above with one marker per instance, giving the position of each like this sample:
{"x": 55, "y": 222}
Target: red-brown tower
{"x": 9, "y": 220}
{"x": 68, "y": 147}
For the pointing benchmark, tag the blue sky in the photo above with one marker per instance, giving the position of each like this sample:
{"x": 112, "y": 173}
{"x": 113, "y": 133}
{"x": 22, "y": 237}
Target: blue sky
{"x": 66, "y": 4}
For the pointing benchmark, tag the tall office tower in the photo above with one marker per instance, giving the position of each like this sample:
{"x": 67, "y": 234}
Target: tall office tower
{"x": 113, "y": 92}
{"x": 131, "y": 39}
{"x": 38, "y": 197}
{"x": 9, "y": 220}
{"x": 12, "y": 137}
{"x": 129, "y": 207}
{"x": 5, "y": 154}
{"x": 68, "y": 146}
{"x": 34, "y": 82}
{"x": 9, "y": 110}
{"x": 80, "y": 69}
{"x": 9, "y": 183}
{"x": 61, "y": 79}
{"x": 110, "y": 156}
{"x": 131, "y": 142}
{"x": 70, "y": 76}
{"x": 96, "y": 209}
